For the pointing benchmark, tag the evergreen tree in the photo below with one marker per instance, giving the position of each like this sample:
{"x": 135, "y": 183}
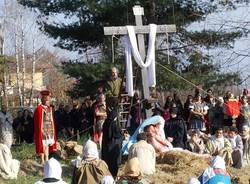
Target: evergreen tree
{"x": 85, "y": 30}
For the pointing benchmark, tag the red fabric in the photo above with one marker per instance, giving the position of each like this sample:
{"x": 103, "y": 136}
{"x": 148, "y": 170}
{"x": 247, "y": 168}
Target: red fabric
{"x": 38, "y": 131}
{"x": 232, "y": 108}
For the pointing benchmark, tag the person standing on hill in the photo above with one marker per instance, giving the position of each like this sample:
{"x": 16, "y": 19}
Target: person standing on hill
{"x": 112, "y": 142}
{"x": 112, "y": 89}
{"x": 45, "y": 135}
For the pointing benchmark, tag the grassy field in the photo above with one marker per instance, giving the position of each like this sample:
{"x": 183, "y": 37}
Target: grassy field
{"x": 177, "y": 172}
{"x": 25, "y": 153}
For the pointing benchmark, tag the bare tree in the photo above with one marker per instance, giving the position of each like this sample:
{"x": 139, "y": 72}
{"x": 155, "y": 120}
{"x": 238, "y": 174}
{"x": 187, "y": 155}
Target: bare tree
{"x": 4, "y": 83}
{"x": 23, "y": 61}
{"x": 33, "y": 71}
{"x": 18, "y": 64}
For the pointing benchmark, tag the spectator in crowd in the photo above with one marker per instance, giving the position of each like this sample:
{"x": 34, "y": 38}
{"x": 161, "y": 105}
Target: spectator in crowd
{"x": 178, "y": 104}
{"x": 85, "y": 116}
{"x": 74, "y": 120}
{"x": 169, "y": 102}
{"x": 52, "y": 173}
{"x": 198, "y": 112}
{"x": 195, "y": 143}
{"x": 219, "y": 145}
{"x": 167, "y": 106}
{"x": 17, "y": 126}
{"x": 186, "y": 109}
{"x": 89, "y": 168}
{"x": 237, "y": 146}
{"x": 132, "y": 173}
{"x": 216, "y": 173}
{"x": 245, "y": 92}
{"x": 112, "y": 142}
{"x": 100, "y": 115}
{"x": 67, "y": 120}
{"x": 217, "y": 117}
{"x": 176, "y": 129}
{"x": 246, "y": 144}
{"x": 209, "y": 100}
{"x": 27, "y": 126}
{"x": 60, "y": 120}
{"x": 6, "y": 130}
{"x": 145, "y": 154}
{"x": 135, "y": 113}
{"x": 244, "y": 117}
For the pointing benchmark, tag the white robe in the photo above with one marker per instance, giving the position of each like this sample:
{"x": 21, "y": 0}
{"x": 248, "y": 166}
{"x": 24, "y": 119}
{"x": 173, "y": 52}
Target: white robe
{"x": 8, "y": 167}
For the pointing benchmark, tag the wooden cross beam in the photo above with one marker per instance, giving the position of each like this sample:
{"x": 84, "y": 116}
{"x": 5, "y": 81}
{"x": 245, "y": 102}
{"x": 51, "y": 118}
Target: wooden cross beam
{"x": 122, "y": 30}
{"x": 140, "y": 30}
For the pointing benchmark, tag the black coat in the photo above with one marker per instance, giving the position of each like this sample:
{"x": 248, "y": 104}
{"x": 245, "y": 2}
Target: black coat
{"x": 176, "y": 128}
{"x": 112, "y": 143}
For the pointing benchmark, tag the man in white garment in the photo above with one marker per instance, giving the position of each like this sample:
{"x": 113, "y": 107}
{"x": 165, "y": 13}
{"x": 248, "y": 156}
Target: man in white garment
{"x": 219, "y": 145}
{"x": 237, "y": 146}
{"x": 246, "y": 145}
{"x": 8, "y": 167}
{"x": 6, "y": 130}
{"x": 145, "y": 153}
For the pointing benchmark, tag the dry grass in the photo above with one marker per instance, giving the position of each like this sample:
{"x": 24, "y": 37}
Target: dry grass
{"x": 173, "y": 167}
{"x": 176, "y": 167}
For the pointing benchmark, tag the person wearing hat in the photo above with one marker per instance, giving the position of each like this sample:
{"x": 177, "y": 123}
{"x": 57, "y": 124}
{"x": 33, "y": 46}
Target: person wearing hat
{"x": 52, "y": 173}
{"x": 45, "y": 136}
{"x": 132, "y": 173}
{"x": 176, "y": 128}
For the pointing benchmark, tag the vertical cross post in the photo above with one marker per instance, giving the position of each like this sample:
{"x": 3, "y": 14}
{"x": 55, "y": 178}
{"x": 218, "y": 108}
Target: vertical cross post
{"x": 138, "y": 12}
{"x": 140, "y": 29}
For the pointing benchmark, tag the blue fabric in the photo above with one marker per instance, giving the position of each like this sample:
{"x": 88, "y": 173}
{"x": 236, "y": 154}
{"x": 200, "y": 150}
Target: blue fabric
{"x": 132, "y": 139}
{"x": 218, "y": 178}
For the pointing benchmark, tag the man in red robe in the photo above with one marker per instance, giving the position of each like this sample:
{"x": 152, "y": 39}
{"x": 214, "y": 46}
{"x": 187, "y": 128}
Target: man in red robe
{"x": 45, "y": 136}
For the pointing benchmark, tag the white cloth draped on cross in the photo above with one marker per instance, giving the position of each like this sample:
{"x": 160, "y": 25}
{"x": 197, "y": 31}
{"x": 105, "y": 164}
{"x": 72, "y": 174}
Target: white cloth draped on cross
{"x": 131, "y": 45}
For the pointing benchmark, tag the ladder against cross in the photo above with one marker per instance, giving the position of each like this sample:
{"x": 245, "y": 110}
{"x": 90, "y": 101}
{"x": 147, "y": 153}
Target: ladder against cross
{"x": 140, "y": 30}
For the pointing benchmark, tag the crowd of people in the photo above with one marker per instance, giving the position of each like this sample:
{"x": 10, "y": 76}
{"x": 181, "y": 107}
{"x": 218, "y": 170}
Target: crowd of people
{"x": 205, "y": 126}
